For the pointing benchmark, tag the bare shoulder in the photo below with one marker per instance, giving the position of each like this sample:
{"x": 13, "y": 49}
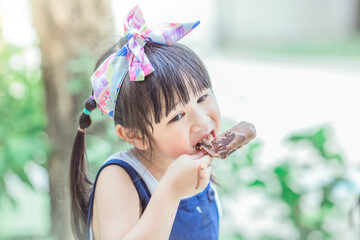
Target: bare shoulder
{"x": 116, "y": 204}
{"x": 114, "y": 179}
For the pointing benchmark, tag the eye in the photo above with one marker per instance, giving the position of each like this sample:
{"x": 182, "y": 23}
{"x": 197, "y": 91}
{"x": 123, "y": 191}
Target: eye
{"x": 202, "y": 98}
{"x": 177, "y": 117}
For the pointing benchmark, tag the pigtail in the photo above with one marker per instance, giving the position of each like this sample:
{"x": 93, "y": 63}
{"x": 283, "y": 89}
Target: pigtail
{"x": 80, "y": 184}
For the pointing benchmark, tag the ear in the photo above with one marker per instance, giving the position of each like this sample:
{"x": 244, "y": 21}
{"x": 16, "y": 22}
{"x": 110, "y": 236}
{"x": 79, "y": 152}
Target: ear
{"x": 131, "y": 137}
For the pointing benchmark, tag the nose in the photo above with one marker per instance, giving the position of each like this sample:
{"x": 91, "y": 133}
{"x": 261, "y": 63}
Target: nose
{"x": 200, "y": 121}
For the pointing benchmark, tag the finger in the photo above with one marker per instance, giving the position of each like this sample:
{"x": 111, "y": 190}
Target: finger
{"x": 206, "y": 161}
{"x": 200, "y": 168}
{"x": 203, "y": 173}
{"x": 206, "y": 172}
{"x": 198, "y": 177}
{"x": 203, "y": 163}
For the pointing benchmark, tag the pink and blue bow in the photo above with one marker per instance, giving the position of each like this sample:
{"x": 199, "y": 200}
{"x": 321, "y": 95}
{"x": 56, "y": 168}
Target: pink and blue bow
{"x": 107, "y": 79}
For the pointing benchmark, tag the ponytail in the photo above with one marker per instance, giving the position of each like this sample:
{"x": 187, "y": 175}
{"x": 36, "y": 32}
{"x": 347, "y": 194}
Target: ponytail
{"x": 80, "y": 185}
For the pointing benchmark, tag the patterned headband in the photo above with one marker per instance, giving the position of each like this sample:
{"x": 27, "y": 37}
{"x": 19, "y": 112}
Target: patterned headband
{"x": 108, "y": 77}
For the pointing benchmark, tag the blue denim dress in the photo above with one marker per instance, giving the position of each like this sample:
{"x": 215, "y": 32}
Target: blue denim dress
{"x": 197, "y": 217}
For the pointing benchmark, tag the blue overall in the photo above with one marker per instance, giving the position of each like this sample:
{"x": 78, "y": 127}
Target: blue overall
{"x": 196, "y": 218}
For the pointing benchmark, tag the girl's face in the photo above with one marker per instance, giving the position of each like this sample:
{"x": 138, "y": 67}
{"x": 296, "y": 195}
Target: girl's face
{"x": 186, "y": 125}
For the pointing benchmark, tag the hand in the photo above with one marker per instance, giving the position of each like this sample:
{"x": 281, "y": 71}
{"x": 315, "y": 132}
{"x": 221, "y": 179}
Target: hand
{"x": 189, "y": 174}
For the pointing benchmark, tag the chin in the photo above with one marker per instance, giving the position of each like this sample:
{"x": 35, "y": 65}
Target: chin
{"x": 189, "y": 152}
{"x": 193, "y": 151}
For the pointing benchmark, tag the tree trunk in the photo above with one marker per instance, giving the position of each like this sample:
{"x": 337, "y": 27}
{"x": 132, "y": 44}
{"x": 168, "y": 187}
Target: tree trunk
{"x": 358, "y": 16}
{"x": 64, "y": 27}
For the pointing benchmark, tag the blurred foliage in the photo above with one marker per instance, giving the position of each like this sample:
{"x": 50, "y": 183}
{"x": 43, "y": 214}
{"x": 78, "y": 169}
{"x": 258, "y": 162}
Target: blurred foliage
{"x": 80, "y": 70}
{"x": 22, "y": 123}
{"x": 101, "y": 132}
{"x": 24, "y": 143}
{"x": 347, "y": 48}
{"x": 290, "y": 182}
{"x": 284, "y": 183}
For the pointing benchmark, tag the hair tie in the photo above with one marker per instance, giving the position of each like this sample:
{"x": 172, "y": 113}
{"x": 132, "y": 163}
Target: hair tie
{"x": 81, "y": 130}
{"x": 107, "y": 79}
{"x": 87, "y": 112}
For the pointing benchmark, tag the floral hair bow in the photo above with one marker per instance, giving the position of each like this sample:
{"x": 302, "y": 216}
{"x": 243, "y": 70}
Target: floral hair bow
{"x": 107, "y": 79}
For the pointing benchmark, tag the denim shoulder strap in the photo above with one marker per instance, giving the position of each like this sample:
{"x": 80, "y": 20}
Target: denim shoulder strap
{"x": 141, "y": 188}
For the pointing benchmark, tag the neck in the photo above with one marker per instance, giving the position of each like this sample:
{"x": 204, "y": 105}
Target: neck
{"x": 155, "y": 164}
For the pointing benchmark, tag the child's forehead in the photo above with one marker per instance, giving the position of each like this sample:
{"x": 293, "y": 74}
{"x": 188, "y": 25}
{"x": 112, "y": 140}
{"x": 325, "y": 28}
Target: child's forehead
{"x": 171, "y": 94}
{"x": 180, "y": 102}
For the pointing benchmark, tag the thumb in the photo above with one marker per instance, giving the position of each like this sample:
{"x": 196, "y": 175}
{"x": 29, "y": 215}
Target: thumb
{"x": 204, "y": 161}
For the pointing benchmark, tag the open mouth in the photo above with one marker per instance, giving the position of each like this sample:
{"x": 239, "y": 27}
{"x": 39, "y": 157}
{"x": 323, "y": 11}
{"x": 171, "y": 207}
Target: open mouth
{"x": 206, "y": 140}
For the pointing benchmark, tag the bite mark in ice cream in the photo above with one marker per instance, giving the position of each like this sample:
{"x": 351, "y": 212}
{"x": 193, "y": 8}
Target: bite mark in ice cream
{"x": 229, "y": 141}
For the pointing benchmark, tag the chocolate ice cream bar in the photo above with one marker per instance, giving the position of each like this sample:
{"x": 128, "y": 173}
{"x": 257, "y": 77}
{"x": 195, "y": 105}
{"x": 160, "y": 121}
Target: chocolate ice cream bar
{"x": 229, "y": 141}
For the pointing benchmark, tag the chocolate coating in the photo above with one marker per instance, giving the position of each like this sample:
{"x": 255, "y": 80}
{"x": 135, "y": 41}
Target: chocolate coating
{"x": 229, "y": 141}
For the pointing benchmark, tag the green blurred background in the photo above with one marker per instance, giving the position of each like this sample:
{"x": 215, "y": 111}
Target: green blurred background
{"x": 289, "y": 67}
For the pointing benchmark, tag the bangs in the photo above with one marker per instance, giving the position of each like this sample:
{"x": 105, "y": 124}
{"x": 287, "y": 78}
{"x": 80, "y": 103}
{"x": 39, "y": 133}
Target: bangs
{"x": 178, "y": 74}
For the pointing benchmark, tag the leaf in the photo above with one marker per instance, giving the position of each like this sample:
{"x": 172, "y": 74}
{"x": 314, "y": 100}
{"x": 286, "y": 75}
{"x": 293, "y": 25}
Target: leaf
{"x": 257, "y": 183}
{"x": 253, "y": 149}
{"x": 22, "y": 94}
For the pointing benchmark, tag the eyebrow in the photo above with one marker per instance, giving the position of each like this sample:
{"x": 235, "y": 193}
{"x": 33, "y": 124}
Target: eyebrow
{"x": 199, "y": 93}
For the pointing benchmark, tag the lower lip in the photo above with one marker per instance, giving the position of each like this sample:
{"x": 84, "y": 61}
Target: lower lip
{"x": 198, "y": 150}
{"x": 213, "y": 134}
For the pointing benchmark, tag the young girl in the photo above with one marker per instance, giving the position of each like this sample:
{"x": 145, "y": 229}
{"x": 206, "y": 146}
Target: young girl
{"x": 159, "y": 94}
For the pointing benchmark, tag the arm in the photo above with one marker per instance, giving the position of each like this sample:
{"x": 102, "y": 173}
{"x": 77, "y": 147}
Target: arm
{"x": 158, "y": 217}
{"x": 117, "y": 209}
{"x": 117, "y": 202}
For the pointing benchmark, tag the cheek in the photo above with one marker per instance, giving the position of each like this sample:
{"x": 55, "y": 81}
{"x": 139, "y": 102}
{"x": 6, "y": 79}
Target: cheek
{"x": 177, "y": 153}
{"x": 215, "y": 115}
{"x": 179, "y": 145}
{"x": 176, "y": 146}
